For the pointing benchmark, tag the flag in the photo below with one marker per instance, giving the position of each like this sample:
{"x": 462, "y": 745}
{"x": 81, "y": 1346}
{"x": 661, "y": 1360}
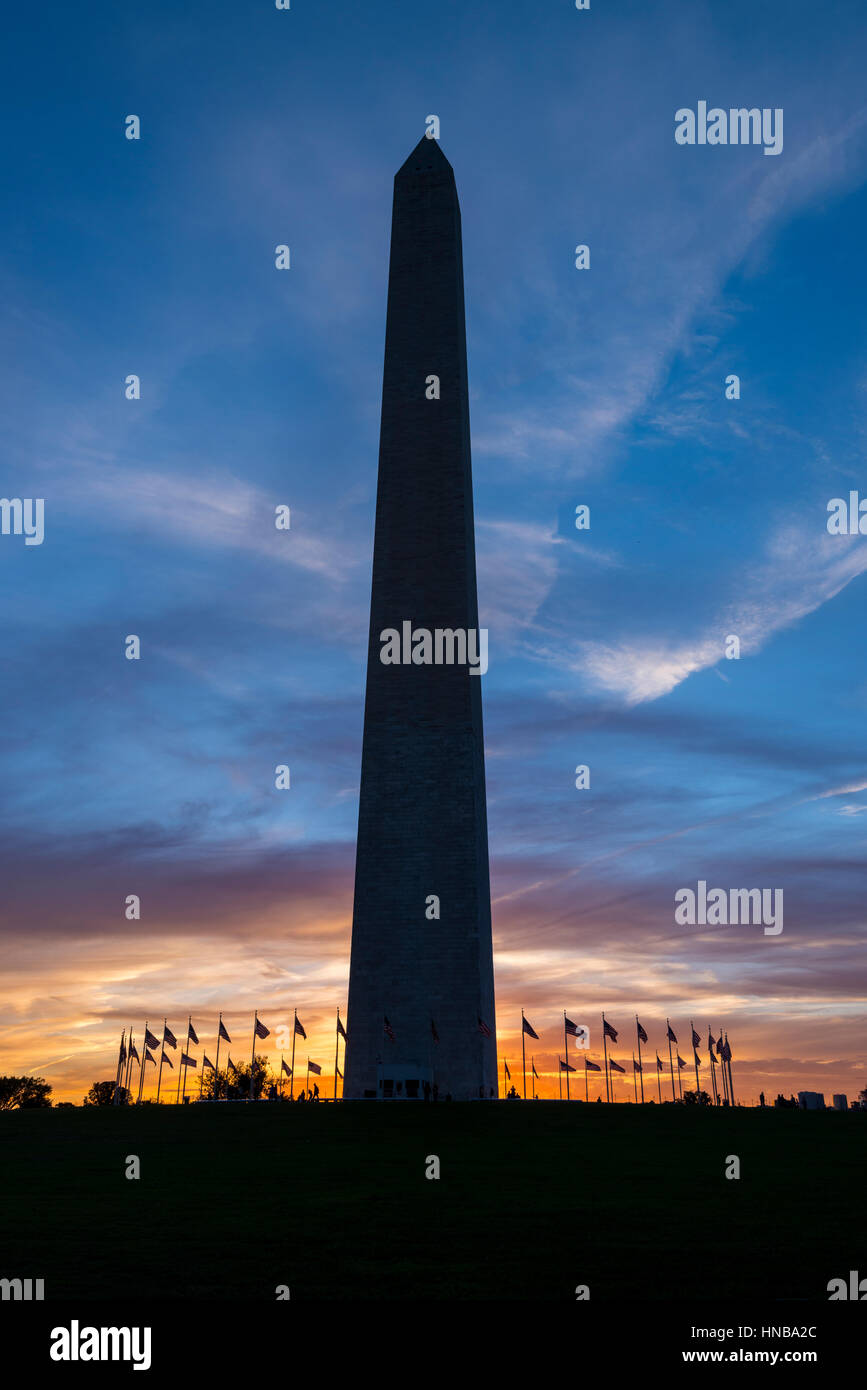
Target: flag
{"x": 299, "y": 1028}
{"x": 433, "y": 1032}
{"x": 727, "y": 1052}
{"x": 636, "y": 1066}
{"x": 260, "y": 1030}
{"x": 222, "y": 1033}
{"x": 388, "y": 1030}
{"x": 288, "y": 1070}
{"x": 710, "y": 1040}
{"x": 697, "y": 1059}
{"x": 188, "y": 1061}
{"x": 123, "y": 1052}
{"x": 615, "y": 1066}
{"x": 659, "y": 1066}
{"x": 528, "y": 1029}
{"x": 572, "y": 1028}
{"x": 564, "y": 1066}
{"x": 193, "y": 1038}
{"x": 231, "y": 1064}
{"x": 608, "y": 1030}
{"x": 680, "y": 1062}
{"x": 315, "y": 1068}
{"x": 206, "y": 1062}
{"x": 713, "y": 1059}
{"x": 671, "y": 1036}
{"x": 696, "y": 1040}
{"x": 483, "y": 1028}
{"x": 340, "y": 1073}
{"x": 167, "y": 1060}
{"x": 149, "y": 1058}
{"x": 133, "y": 1053}
{"x": 641, "y": 1032}
{"x": 535, "y": 1073}
{"x": 506, "y": 1069}
{"x": 341, "y": 1030}
{"x": 591, "y": 1066}
{"x": 150, "y": 1040}
{"x": 169, "y": 1037}
{"x": 719, "y": 1047}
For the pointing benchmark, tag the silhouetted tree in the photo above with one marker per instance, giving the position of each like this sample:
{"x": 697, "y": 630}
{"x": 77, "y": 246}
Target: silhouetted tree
{"x": 102, "y": 1093}
{"x": 24, "y": 1093}
{"x": 235, "y": 1084}
{"x": 696, "y": 1098}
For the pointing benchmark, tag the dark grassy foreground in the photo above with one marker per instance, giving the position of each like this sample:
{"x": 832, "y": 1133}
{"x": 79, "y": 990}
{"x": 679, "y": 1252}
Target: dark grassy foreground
{"x": 332, "y": 1200}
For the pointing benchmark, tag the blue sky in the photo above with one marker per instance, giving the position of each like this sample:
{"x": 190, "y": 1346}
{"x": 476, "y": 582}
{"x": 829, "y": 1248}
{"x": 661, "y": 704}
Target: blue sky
{"x": 603, "y": 387}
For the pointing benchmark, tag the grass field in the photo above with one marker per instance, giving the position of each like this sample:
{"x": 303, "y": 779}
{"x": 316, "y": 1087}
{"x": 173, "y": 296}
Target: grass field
{"x": 332, "y": 1200}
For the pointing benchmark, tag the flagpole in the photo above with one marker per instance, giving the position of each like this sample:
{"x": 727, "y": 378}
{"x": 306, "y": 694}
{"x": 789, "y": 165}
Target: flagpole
{"x": 670, "y": 1062}
{"x": 634, "y": 1079}
{"x": 292, "y": 1063}
{"x": 658, "y": 1082}
{"x": 186, "y": 1054}
{"x": 162, "y": 1054}
{"x": 695, "y": 1059}
{"x": 728, "y": 1063}
{"x": 533, "y": 1074}
{"x": 523, "y": 1055}
{"x": 141, "y": 1065}
{"x": 713, "y": 1077}
{"x": 723, "y": 1069}
{"x": 217, "y": 1063}
{"x": 505, "y": 1069}
{"x": 121, "y": 1058}
{"x": 679, "y": 1082}
{"x": 253, "y": 1057}
{"x": 180, "y": 1069}
{"x": 559, "y": 1080}
{"x": 640, "y": 1072}
{"x": 586, "y": 1091}
{"x": 128, "y": 1065}
{"x": 336, "y": 1053}
{"x": 566, "y": 1046}
{"x": 605, "y": 1051}
{"x": 307, "y": 1077}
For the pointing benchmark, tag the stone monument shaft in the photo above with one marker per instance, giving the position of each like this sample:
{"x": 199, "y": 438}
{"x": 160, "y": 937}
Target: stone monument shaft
{"x": 422, "y": 823}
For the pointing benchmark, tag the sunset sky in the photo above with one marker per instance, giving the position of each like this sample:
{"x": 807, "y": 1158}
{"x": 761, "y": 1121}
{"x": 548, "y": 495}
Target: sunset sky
{"x": 603, "y": 387}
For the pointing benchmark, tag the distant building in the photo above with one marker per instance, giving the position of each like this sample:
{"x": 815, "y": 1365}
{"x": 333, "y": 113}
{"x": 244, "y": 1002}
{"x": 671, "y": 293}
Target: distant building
{"x": 840, "y": 1102}
{"x": 811, "y": 1100}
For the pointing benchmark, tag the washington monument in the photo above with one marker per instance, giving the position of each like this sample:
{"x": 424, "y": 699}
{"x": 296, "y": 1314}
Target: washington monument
{"x": 421, "y": 983}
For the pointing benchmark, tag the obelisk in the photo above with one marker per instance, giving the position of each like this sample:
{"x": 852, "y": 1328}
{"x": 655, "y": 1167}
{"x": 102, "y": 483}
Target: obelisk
{"x": 421, "y": 986}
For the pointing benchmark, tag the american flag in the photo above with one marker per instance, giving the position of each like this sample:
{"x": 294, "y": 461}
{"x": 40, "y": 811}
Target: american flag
{"x": 132, "y": 1052}
{"x": 148, "y": 1057}
{"x": 528, "y": 1028}
{"x": 169, "y": 1037}
{"x": 299, "y": 1027}
{"x": 659, "y": 1066}
{"x": 389, "y": 1031}
{"x": 564, "y": 1066}
{"x": 571, "y": 1028}
{"x": 223, "y": 1034}
{"x": 188, "y": 1061}
{"x": 288, "y": 1070}
{"x": 206, "y": 1062}
{"x": 609, "y": 1031}
{"x": 315, "y": 1068}
{"x": 680, "y": 1062}
{"x": 641, "y": 1032}
{"x": 591, "y": 1066}
{"x": 340, "y": 1028}
{"x": 506, "y": 1070}
{"x": 260, "y": 1030}
{"x": 535, "y": 1073}
{"x": 150, "y": 1040}
{"x": 193, "y": 1038}
{"x": 483, "y": 1028}
{"x": 168, "y": 1061}
{"x": 615, "y": 1066}
{"x": 696, "y": 1040}
{"x": 636, "y": 1066}
{"x": 671, "y": 1035}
